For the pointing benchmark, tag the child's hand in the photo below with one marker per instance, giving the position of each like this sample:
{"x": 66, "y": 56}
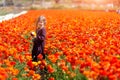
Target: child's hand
{"x": 33, "y": 34}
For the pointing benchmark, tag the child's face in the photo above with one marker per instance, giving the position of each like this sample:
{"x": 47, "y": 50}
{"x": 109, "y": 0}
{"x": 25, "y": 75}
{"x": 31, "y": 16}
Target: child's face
{"x": 40, "y": 23}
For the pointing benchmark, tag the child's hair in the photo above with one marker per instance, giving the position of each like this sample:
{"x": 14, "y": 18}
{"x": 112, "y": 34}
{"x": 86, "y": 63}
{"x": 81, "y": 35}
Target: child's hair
{"x": 41, "y": 18}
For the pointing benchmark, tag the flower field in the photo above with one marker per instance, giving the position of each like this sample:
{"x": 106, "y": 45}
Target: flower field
{"x": 80, "y": 45}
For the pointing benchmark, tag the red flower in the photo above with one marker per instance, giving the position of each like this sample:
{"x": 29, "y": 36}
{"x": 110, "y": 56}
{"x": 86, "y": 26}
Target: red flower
{"x": 40, "y": 56}
{"x": 13, "y": 63}
{"x": 29, "y": 63}
{"x": 14, "y": 78}
{"x": 51, "y": 78}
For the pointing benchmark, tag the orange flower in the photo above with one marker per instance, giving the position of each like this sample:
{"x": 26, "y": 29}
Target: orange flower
{"x": 50, "y": 69}
{"x": 52, "y": 58}
{"x": 86, "y": 72}
{"x": 3, "y": 74}
{"x": 36, "y": 77}
{"x": 26, "y": 68}
{"x": 112, "y": 77}
{"x": 15, "y": 72}
{"x": 64, "y": 68}
{"x": 31, "y": 72}
{"x": 14, "y": 78}
{"x": 61, "y": 63}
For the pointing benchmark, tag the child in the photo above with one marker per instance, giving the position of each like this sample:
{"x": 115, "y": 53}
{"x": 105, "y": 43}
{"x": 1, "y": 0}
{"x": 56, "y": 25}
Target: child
{"x": 39, "y": 38}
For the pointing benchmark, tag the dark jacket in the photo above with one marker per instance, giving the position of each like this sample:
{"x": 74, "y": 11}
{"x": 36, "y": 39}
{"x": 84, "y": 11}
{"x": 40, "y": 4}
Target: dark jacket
{"x": 39, "y": 42}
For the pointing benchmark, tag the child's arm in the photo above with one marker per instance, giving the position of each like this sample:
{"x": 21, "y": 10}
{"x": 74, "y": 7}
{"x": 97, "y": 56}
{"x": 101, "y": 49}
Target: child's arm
{"x": 42, "y": 36}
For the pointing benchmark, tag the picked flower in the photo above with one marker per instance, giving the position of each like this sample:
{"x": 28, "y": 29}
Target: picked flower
{"x": 33, "y": 33}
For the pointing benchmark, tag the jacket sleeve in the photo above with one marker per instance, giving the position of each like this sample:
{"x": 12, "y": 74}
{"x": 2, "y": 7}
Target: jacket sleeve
{"x": 41, "y": 35}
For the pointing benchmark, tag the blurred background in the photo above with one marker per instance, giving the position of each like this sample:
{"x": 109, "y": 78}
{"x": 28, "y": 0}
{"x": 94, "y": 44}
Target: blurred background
{"x": 7, "y": 6}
